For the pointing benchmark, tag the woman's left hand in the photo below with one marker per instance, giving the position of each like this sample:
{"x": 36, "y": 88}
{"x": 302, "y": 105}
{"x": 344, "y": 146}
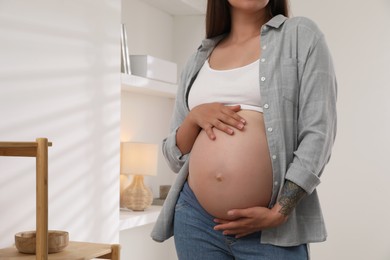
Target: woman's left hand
{"x": 250, "y": 220}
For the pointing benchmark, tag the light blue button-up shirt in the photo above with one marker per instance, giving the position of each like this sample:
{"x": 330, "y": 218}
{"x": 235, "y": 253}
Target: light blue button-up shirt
{"x": 298, "y": 90}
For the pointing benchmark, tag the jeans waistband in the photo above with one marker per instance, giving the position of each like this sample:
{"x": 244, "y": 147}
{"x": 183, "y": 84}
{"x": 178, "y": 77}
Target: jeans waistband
{"x": 188, "y": 195}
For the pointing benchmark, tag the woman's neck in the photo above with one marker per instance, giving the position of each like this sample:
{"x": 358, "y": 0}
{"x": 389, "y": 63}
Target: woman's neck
{"x": 246, "y": 25}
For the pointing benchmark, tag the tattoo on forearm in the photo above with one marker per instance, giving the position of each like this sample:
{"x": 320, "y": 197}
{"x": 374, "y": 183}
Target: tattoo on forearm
{"x": 290, "y": 196}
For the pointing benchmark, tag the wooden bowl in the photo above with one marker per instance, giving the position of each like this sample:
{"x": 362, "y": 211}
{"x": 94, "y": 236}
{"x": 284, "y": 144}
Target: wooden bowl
{"x": 57, "y": 240}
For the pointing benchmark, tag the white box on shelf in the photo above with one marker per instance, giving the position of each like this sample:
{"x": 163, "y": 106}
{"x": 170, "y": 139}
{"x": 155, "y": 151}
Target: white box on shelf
{"x": 153, "y": 68}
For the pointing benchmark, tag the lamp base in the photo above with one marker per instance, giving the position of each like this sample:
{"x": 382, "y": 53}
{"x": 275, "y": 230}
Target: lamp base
{"x": 137, "y": 196}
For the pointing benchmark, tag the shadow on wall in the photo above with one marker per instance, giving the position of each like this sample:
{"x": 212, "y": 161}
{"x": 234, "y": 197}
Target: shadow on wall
{"x": 60, "y": 79}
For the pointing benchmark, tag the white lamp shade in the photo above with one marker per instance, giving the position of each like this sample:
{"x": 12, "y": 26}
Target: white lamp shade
{"x": 139, "y": 158}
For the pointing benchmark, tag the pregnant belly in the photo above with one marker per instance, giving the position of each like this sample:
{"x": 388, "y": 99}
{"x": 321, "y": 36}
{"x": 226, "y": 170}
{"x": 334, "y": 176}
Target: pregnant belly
{"x": 232, "y": 171}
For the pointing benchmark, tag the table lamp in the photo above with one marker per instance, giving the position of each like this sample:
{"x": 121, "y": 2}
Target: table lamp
{"x": 138, "y": 159}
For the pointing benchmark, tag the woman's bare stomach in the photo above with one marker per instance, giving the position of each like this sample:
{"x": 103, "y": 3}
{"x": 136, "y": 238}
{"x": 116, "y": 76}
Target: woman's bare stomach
{"x": 232, "y": 171}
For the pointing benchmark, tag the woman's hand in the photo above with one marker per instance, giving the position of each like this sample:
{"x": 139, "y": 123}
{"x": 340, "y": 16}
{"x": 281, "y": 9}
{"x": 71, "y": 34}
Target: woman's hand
{"x": 222, "y": 117}
{"x": 250, "y": 220}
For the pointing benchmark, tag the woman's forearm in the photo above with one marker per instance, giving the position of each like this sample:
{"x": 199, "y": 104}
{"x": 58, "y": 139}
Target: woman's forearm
{"x": 186, "y": 135}
{"x": 289, "y": 198}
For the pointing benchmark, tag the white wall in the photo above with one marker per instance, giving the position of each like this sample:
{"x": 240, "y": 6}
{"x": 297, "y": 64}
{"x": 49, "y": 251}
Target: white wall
{"x": 149, "y": 30}
{"x": 354, "y": 189}
{"x": 189, "y": 32}
{"x": 59, "y": 78}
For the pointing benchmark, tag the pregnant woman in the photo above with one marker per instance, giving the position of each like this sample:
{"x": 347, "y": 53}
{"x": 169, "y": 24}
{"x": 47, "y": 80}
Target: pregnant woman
{"x": 252, "y": 130}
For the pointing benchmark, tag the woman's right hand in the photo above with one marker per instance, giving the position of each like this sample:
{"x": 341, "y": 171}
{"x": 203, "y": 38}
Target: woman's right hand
{"x": 216, "y": 115}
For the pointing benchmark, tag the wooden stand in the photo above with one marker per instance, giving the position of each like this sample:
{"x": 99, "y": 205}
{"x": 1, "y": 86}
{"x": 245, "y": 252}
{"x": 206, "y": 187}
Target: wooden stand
{"x": 75, "y": 250}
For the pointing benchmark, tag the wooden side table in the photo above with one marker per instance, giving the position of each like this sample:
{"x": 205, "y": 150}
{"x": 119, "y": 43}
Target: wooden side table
{"x": 75, "y": 250}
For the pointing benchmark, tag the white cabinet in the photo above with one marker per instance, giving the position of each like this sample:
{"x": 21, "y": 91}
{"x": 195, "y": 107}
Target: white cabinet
{"x": 131, "y": 219}
{"x": 147, "y": 86}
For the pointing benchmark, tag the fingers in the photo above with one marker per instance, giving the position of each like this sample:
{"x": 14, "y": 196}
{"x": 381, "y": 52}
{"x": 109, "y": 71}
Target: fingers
{"x": 233, "y": 119}
{"x": 219, "y": 116}
{"x": 240, "y": 213}
{"x": 243, "y": 222}
{"x": 223, "y": 125}
{"x": 233, "y": 113}
{"x": 228, "y": 120}
{"x": 224, "y": 224}
{"x": 238, "y": 228}
{"x": 210, "y": 133}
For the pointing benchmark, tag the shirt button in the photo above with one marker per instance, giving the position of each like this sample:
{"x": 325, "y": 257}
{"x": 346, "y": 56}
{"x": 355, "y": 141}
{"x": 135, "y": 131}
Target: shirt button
{"x": 264, "y": 47}
{"x": 266, "y": 106}
{"x": 270, "y": 129}
{"x": 274, "y": 157}
{"x": 262, "y": 60}
{"x": 262, "y": 79}
{"x": 276, "y": 183}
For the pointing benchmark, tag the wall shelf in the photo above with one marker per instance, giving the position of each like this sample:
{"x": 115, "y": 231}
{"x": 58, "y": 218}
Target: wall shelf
{"x": 147, "y": 86}
{"x": 132, "y": 219}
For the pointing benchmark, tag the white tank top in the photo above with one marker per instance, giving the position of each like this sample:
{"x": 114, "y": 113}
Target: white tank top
{"x": 230, "y": 87}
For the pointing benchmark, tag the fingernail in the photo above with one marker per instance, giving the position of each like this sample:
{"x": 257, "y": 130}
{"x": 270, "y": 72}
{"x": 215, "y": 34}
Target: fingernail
{"x": 240, "y": 126}
{"x": 243, "y": 121}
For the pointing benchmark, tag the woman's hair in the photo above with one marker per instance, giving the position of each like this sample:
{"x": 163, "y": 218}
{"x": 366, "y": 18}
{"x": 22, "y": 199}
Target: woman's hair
{"x": 218, "y": 19}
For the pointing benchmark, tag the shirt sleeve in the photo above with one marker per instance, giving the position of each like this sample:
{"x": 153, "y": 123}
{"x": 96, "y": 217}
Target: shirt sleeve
{"x": 317, "y": 118}
{"x": 171, "y": 152}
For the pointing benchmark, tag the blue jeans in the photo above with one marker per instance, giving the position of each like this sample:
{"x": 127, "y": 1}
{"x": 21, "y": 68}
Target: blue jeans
{"x": 196, "y": 239}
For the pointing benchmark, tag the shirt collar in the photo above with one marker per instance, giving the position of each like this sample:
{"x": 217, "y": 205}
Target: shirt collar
{"x": 211, "y": 42}
{"x": 275, "y": 22}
